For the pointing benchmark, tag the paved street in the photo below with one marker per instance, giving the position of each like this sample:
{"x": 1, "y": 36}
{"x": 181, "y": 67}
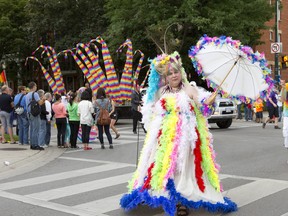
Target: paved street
{"x": 254, "y": 174}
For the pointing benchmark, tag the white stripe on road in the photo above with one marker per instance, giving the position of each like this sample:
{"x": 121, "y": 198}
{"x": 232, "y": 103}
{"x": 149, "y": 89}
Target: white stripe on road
{"x": 60, "y": 176}
{"x": 96, "y": 161}
{"x": 254, "y": 191}
{"x": 54, "y": 206}
{"x": 104, "y": 205}
{"x": 81, "y": 188}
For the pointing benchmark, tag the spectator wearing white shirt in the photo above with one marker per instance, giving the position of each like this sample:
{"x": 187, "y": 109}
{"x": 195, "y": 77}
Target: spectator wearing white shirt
{"x": 85, "y": 111}
{"x": 48, "y": 105}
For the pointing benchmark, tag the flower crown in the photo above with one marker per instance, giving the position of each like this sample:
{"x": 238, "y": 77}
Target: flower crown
{"x": 162, "y": 62}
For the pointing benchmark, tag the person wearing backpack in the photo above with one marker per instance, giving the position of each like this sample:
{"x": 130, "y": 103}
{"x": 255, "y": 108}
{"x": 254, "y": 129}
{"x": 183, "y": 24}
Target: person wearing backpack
{"x": 102, "y": 107}
{"x": 22, "y": 119}
{"x": 33, "y": 103}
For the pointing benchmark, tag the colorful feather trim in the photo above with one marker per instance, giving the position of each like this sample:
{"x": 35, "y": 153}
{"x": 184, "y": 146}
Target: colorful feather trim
{"x": 198, "y": 161}
{"x": 208, "y": 163}
{"x": 137, "y": 196}
{"x": 162, "y": 156}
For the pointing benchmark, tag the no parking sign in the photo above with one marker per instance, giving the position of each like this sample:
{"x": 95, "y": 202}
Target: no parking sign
{"x": 276, "y": 47}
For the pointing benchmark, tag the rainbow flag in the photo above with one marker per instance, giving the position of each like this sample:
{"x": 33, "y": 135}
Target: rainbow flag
{"x": 3, "y": 78}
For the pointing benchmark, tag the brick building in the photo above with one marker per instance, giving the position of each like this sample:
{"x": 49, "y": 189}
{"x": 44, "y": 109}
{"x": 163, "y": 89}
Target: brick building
{"x": 268, "y": 37}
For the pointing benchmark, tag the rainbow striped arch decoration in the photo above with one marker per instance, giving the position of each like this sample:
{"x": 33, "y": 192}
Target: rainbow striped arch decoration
{"x": 139, "y": 66}
{"x": 112, "y": 79}
{"x": 50, "y": 80}
{"x": 126, "y": 81}
{"x": 54, "y": 66}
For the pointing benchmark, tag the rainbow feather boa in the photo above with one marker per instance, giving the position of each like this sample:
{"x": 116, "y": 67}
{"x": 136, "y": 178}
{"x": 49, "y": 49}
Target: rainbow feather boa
{"x": 153, "y": 182}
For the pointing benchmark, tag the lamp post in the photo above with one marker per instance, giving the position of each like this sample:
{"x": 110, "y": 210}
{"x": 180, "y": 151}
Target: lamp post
{"x": 179, "y": 28}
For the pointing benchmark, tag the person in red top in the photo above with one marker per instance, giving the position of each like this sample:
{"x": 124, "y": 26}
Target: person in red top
{"x": 61, "y": 122}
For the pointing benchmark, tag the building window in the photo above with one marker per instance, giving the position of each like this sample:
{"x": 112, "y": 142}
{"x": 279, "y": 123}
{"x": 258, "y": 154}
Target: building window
{"x": 271, "y": 35}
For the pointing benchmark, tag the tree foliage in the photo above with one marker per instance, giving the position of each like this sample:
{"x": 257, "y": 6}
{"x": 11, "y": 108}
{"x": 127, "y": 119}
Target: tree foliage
{"x": 25, "y": 24}
{"x": 63, "y": 23}
{"x": 145, "y": 22}
{"x": 13, "y": 36}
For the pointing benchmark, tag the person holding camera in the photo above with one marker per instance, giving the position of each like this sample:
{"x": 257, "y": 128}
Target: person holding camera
{"x": 136, "y": 102}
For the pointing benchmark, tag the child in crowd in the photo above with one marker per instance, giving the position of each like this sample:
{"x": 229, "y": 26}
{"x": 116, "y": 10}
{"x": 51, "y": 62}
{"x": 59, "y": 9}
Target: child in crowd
{"x": 259, "y": 110}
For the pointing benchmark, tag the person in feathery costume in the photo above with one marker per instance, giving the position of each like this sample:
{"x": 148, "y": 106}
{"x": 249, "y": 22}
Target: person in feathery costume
{"x": 177, "y": 169}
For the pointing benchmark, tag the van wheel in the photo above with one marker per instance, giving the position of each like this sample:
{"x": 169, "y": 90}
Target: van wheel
{"x": 224, "y": 124}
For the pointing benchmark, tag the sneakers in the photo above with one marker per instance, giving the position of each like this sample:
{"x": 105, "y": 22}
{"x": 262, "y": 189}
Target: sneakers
{"x": 36, "y": 148}
{"x": 102, "y": 146}
{"x": 87, "y": 148}
{"x": 134, "y": 132}
{"x": 110, "y": 146}
{"x": 276, "y": 127}
{"x": 117, "y": 136}
{"x": 263, "y": 126}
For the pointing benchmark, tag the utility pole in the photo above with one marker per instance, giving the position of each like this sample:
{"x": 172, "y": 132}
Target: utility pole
{"x": 276, "y": 71}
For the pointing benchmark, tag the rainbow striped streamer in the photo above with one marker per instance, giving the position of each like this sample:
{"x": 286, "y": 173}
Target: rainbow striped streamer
{"x": 83, "y": 68}
{"x": 110, "y": 70}
{"x": 91, "y": 63}
{"x": 59, "y": 83}
{"x": 146, "y": 77}
{"x": 136, "y": 74}
{"x": 98, "y": 72}
{"x": 47, "y": 76}
{"x": 126, "y": 79}
{"x": 57, "y": 66}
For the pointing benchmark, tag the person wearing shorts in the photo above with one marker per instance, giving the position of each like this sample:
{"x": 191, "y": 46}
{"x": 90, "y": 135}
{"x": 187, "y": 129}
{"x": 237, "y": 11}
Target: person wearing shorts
{"x": 6, "y": 107}
{"x": 272, "y": 109}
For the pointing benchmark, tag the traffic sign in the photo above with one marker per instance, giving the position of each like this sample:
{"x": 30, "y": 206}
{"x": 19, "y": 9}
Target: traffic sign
{"x": 276, "y": 47}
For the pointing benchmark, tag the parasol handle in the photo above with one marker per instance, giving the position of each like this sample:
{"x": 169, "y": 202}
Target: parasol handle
{"x": 228, "y": 73}
{"x": 211, "y": 99}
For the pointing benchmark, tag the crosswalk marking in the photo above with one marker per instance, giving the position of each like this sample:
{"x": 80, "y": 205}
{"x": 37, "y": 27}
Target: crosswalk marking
{"x": 81, "y": 188}
{"x": 101, "y": 205}
{"x": 243, "y": 195}
{"x": 252, "y": 191}
{"x": 60, "y": 176}
{"x": 49, "y": 205}
{"x": 96, "y": 161}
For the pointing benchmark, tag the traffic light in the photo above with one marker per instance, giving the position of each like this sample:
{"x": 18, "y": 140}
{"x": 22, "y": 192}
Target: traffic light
{"x": 284, "y": 61}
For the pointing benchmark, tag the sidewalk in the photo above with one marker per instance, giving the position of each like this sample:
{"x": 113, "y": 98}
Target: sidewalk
{"x": 22, "y": 159}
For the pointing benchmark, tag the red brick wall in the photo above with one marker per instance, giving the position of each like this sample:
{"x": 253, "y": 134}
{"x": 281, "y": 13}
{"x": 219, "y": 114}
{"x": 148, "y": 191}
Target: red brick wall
{"x": 283, "y": 31}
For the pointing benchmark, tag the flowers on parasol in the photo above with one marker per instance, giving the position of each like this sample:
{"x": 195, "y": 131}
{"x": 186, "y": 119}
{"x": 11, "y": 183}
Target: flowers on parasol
{"x": 232, "y": 68}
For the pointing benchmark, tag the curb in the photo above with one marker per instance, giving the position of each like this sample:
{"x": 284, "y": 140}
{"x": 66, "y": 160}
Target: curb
{"x": 30, "y": 162}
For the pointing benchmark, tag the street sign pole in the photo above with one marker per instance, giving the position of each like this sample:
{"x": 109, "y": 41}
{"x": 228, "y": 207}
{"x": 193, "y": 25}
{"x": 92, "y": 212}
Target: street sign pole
{"x": 276, "y": 71}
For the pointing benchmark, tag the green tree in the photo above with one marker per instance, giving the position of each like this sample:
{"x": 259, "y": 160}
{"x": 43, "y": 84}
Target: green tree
{"x": 145, "y": 22}
{"x": 64, "y": 23}
{"x": 13, "y": 38}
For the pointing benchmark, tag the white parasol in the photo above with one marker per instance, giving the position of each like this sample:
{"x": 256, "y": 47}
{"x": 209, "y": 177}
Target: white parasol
{"x": 232, "y": 68}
